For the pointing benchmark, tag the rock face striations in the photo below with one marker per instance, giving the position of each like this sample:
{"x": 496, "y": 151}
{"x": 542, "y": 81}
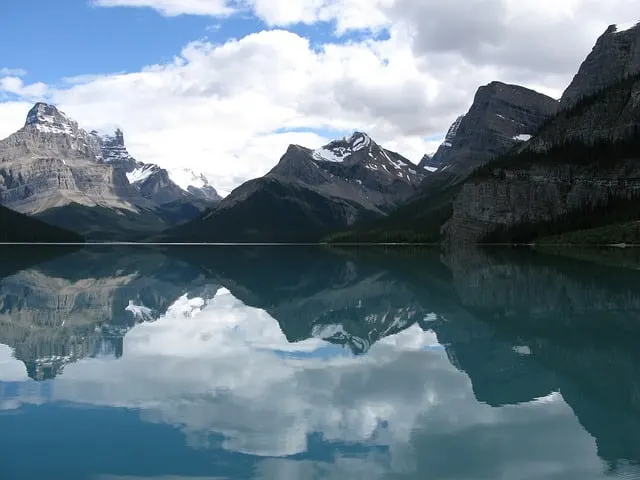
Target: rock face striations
{"x": 580, "y": 172}
{"x": 615, "y": 55}
{"x": 310, "y": 192}
{"x": 54, "y": 169}
{"x": 501, "y": 117}
{"x": 51, "y": 162}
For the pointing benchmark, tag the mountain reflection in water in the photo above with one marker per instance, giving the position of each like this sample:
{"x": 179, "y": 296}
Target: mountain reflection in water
{"x": 295, "y": 363}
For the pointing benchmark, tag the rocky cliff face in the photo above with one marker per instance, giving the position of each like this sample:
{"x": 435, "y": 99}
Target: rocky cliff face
{"x": 536, "y": 195}
{"x": 544, "y": 183}
{"x": 501, "y": 117}
{"x": 51, "y": 162}
{"x": 51, "y": 168}
{"x": 615, "y": 55}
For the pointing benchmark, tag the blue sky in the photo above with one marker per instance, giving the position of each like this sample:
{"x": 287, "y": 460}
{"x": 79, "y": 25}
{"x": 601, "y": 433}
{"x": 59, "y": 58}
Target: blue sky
{"x": 72, "y": 37}
{"x": 59, "y": 39}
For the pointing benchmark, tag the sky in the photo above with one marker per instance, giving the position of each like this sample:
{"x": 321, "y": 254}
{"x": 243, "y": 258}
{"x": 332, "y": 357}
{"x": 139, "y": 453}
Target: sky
{"x": 224, "y": 86}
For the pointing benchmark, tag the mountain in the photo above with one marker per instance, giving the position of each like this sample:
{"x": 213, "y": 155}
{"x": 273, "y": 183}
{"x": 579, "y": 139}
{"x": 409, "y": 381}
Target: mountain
{"x": 55, "y": 170}
{"x": 501, "y": 118}
{"x": 577, "y": 180}
{"x": 157, "y": 184}
{"x": 19, "y": 228}
{"x": 309, "y": 193}
{"x": 581, "y": 172}
{"x": 568, "y": 177}
{"x": 615, "y": 55}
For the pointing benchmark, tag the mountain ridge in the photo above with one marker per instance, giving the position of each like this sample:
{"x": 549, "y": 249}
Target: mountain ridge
{"x": 51, "y": 167}
{"x": 307, "y": 193}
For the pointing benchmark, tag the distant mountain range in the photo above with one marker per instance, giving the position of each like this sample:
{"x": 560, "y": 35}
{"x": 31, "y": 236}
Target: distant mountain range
{"x": 519, "y": 166}
{"x": 89, "y": 183}
{"x": 308, "y": 193}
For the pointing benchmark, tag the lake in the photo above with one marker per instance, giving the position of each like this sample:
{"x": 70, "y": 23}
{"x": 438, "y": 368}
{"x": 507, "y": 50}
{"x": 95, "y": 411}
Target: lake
{"x": 202, "y": 363}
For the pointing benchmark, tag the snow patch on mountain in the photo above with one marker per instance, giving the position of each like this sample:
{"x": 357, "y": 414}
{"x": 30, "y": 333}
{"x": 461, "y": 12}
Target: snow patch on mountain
{"x": 48, "y": 119}
{"x": 338, "y": 150}
{"x": 185, "y": 178}
{"x": 140, "y": 174}
{"x": 523, "y": 137}
{"x": 112, "y": 146}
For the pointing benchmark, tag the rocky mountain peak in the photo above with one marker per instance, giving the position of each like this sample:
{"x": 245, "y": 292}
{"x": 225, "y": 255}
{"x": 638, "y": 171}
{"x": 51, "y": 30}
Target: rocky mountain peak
{"x": 344, "y": 149}
{"x": 47, "y": 118}
{"x": 113, "y": 149}
{"x": 501, "y": 116}
{"x": 615, "y": 56}
{"x": 354, "y": 165}
{"x": 116, "y": 138}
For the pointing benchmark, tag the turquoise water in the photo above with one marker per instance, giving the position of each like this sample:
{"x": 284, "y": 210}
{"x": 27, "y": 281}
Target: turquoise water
{"x": 208, "y": 363}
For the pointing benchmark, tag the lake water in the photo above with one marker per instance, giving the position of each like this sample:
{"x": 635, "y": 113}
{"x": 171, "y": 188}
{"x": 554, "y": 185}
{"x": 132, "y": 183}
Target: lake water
{"x": 286, "y": 363}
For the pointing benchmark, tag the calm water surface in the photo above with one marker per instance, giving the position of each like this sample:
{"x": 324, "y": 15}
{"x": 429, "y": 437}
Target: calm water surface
{"x": 301, "y": 363}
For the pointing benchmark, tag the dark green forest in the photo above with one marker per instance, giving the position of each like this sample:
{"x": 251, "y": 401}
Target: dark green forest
{"x": 16, "y": 227}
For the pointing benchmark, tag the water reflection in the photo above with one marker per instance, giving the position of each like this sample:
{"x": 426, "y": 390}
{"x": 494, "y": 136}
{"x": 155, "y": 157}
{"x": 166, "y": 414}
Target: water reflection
{"x": 308, "y": 363}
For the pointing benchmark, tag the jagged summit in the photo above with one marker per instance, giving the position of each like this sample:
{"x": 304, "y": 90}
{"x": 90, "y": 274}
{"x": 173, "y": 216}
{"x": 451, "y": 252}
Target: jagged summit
{"x": 615, "y": 55}
{"x": 340, "y": 150}
{"x": 349, "y": 158}
{"x": 52, "y": 164}
{"x": 113, "y": 149}
{"x": 46, "y": 118}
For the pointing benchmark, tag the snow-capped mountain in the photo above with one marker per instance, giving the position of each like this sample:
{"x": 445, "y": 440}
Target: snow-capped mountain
{"x": 197, "y": 184}
{"x": 112, "y": 148}
{"x": 360, "y": 149}
{"x": 152, "y": 181}
{"x": 46, "y": 118}
{"x": 53, "y": 168}
{"x": 310, "y": 192}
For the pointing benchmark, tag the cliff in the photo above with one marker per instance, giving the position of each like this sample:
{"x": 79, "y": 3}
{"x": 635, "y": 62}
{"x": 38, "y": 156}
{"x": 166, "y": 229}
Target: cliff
{"x": 615, "y": 55}
{"x": 580, "y": 171}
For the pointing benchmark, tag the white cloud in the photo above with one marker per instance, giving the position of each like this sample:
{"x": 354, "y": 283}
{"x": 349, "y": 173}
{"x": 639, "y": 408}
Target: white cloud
{"x": 12, "y": 116}
{"x": 174, "y": 7}
{"x": 16, "y": 86}
{"x": 14, "y": 72}
{"x": 219, "y": 108}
